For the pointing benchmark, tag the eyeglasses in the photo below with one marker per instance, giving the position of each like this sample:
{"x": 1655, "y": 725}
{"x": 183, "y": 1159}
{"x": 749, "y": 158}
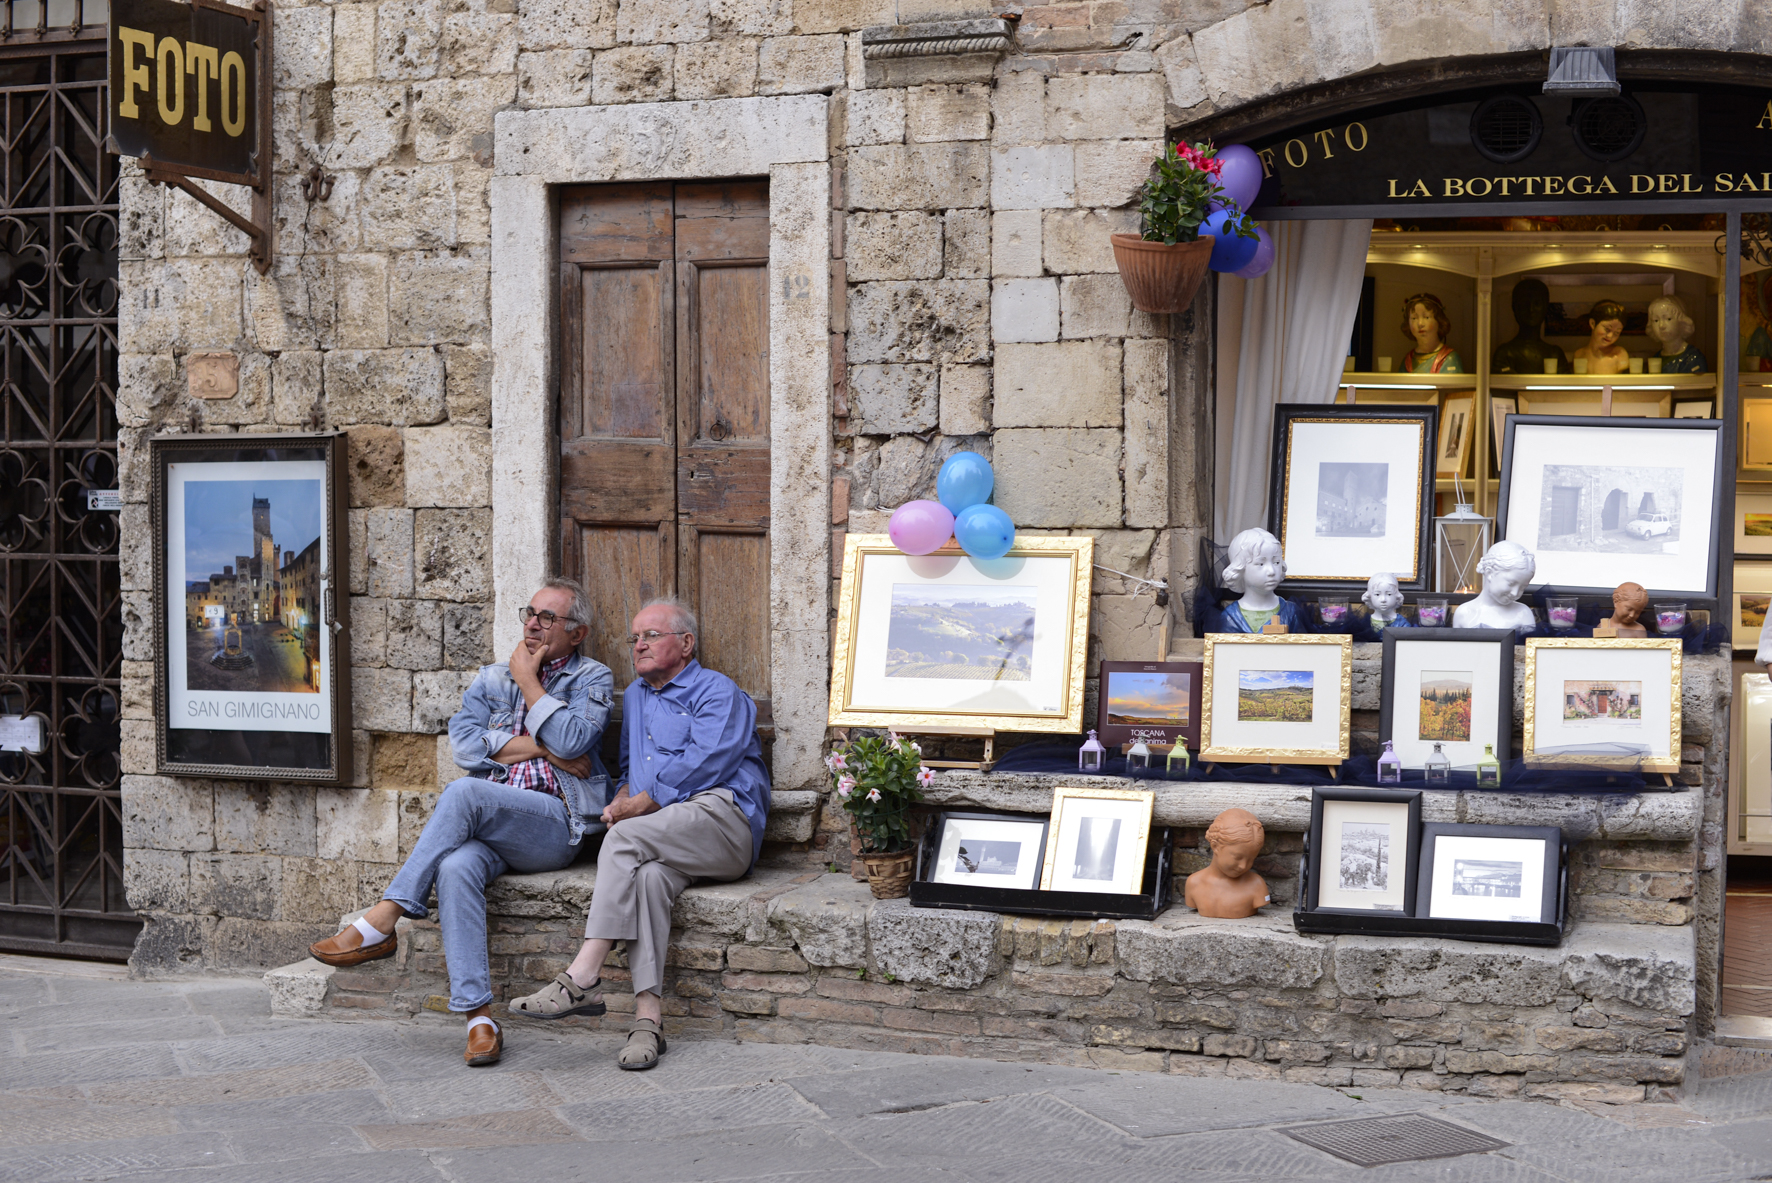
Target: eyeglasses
{"x": 547, "y": 619}
{"x": 653, "y": 634}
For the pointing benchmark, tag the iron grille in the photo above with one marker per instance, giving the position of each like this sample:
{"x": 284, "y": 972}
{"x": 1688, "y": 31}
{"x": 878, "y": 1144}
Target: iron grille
{"x": 61, "y": 628}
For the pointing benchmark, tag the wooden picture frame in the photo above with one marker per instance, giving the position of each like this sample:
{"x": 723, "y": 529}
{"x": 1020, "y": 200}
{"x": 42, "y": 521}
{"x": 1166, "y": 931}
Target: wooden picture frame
{"x": 1354, "y": 839}
{"x": 1507, "y": 875}
{"x": 1036, "y": 595}
{"x": 1097, "y": 840}
{"x": 1169, "y": 693}
{"x": 1750, "y": 601}
{"x": 1500, "y": 407}
{"x": 1602, "y": 703}
{"x": 1253, "y": 681}
{"x": 1753, "y": 524}
{"x": 1486, "y": 656}
{"x": 1457, "y": 427}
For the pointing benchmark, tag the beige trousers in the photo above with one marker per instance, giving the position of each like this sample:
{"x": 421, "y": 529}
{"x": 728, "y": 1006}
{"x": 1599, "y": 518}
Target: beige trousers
{"x": 645, "y": 864}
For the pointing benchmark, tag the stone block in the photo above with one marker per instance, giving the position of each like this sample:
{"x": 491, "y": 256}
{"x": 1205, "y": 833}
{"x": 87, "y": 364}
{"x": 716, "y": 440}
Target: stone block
{"x": 892, "y": 245}
{"x": 403, "y": 761}
{"x": 414, "y": 634}
{"x": 377, "y": 458}
{"x": 411, "y": 207}
{"x": 1095, "y": 306}
{"x": 554, "y": 78}
{"x": 1652, "y": 967}
{"x": 402, "y": 387}
{"x": 875, "y": 117}
{"x": 452, "y": 117}
{"x": 801, "y": 65}
{"x": 369, "y": 124}
{"x": 437, "y": 297}
{"x": 437, "y": 695}
{"x": 1024, "y": 310}
{"x": 193, "y": 303}
{"x": 793, "y": 816}
{"x": 1062, "y": 384}
{"x": 479, "y": 40}
{"x": 369, "y": 631}
{"x": 165, "y": 814}
{"x": 918, "y": 176}
{"x": 1205, "y": 953}
{"x": 1127, "y": 628}
{"x": 1058, "y": 477}
{"x": 415, "y": 811}
{"x": 381, "y": 699}
{"x": 255, "y": 818}
{"x": 965, "y": 400}
{"x": 357, "y": 535}
{"x": 566, "y": 24}
{"x": 387, "y": 552}
{"x": 1470, "y": 972}
{"x": 467, "y": 383}
{"x": 1081, "y": 241}
{"x": 1110, "y": 174}
{"x": 717, "y": 69}
{"x": 361, "y": 286}
{"x": 1147, "y": 431}
{"x": 467, "y": 636}
{"x": 933, "y": 946}
{"x": 451, "y": 554}
{"x": 407, "y": 36}
{"x": 448, "y": 465}
{"x": 237, "y": 886}
{"x": 1015, "y": 243}
{"x": 1018, "y": 109}
{"x": 316, "y": 890}
{"x": 1183, "y": 85}
{"x": 930, "y": 320}
{"x": 297, "y": 390}
{"x": 966, "y": 244}
{"x": 632, "y": 74}
{"x": 298, "y": 991}
{"x": 1033, "y": 177}
{"x": 827, "y": 921}
{"x": 359, "y": 824}
{"x": 942, "y": 113}
{"x": 1104, "y": 106}
{"x": 157, "y": 880}
{"x": 353, "y": 43}
{"x": 889, "y": 400}
{"x": 755, "y": 18}
{"x": 649, "y": 22}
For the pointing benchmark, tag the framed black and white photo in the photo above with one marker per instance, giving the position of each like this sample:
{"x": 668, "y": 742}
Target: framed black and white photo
{"x": 1457, "y": 426}
{"x": 1282, "y": 698}
{"x": 1499, "y": 874}
{"x": 1097, "y": 840}
{"x": 1153, "y": 702}
{"x": 1753, "y": 523}
{"x": 252, "y": 678}
{"x": 1602, "y": 702}
{"x": 1500, "y": 407}
{"x": 1451, "y": 686}
{"x": 989, "y": 850}
{"x": 1352, "y": 492}
{"x": 1605, "y": 501}
{"x": 1363, "y": 850}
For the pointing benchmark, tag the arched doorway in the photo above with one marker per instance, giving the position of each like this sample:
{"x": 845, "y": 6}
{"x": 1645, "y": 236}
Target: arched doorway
{"x": 1615, "y": 511}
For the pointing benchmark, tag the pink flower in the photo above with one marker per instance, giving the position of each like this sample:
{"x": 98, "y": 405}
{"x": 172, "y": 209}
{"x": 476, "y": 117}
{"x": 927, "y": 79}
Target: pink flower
{"x": 835, "y": 761}
{"x": 845, "y": 786}
{"x": 925, "y": 776}
{"x": 873, "y": 794}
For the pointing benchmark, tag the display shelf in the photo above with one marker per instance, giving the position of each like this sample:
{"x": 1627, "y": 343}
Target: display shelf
{"x": 1568, "y": 383}
{"x": 1392, "y": 380}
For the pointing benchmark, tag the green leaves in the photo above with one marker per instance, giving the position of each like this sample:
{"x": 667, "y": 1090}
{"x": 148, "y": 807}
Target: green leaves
{"x": 1178, "y": 196}
{"x": 881, "y": 776}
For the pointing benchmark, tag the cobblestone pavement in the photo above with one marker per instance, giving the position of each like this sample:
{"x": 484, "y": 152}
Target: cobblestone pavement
{"x": 193, "y": 1080}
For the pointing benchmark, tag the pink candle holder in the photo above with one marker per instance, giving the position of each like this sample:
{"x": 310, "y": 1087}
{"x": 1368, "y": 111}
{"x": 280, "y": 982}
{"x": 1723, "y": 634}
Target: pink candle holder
{"x": 1430, "y": 613}
{"x": 1561, "y": 610}
{"x": 1670, "y": 618}
{"x": 1332, "y": 609}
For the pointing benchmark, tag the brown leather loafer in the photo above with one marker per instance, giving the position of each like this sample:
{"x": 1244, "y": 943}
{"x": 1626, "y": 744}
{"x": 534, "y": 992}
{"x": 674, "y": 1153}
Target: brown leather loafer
{"x": 329, "y": 953}
{"x": 486, "y": 1043}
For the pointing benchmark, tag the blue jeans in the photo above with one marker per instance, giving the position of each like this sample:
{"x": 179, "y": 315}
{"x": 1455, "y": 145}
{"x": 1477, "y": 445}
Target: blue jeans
{"x": 479, "y": 830}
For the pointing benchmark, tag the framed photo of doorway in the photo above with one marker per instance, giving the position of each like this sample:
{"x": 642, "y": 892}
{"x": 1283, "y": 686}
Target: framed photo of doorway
{"x": 1457, "y": 426}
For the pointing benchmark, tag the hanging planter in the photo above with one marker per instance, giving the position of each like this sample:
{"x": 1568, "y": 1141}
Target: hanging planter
{"x": 1189, "y": 224}
{"x": 1162, "y": 277}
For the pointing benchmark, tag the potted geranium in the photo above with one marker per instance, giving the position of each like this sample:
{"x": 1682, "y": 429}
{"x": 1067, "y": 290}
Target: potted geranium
{"x": 878, "y": 780}
{"x": 1162, "y": 267}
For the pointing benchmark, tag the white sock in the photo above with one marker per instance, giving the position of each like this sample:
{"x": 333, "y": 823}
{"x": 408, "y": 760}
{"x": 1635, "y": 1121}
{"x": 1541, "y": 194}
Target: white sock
{"x": 478, "y": 1019}
{"x": 370, "y": 935}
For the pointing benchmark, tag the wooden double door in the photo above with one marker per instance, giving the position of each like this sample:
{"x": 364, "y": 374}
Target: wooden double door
{"x": 664, "y": 414}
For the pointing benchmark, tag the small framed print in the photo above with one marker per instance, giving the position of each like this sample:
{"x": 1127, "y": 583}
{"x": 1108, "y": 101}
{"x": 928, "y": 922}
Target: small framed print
{"x": 1602, "y": 702}
{"x": 1753, "y": 524}
{"x": 1156, "y": 702}
{"x": 1277, "y": 698}
{"x": 989, "y": 850}
{"x": 1457, "y": 422}
{"x": 1451, "y": 686}
{"x": 1097, "y": 840}
{"x": 1500, "y": 407}
{"x": 1352, "y": 493}
{"x": 1693, "y": 408}
{"x": 1363, "y": 850}
{"x": 1752, "y": 597}
{"x": 1500, "y": 874}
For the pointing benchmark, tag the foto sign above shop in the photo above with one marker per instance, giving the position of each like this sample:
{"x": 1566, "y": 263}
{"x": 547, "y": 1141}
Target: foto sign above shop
{"x": 191, "y": 97}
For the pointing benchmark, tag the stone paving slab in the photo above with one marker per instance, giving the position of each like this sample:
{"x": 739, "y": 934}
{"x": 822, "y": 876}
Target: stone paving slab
{"x": 193, "y": 1080}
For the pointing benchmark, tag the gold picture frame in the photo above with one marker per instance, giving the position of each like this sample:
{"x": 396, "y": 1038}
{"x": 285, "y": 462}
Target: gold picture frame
{"x": 865, "y": 693}
{"x": 1119, "y": 863}
{"x": 1221, "y": 738}
{"x": 1535, "y": 726}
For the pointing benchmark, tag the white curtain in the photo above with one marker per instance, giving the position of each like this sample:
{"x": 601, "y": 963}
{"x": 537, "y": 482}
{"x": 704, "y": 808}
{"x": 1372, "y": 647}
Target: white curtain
{"x": 1281, "y": 339}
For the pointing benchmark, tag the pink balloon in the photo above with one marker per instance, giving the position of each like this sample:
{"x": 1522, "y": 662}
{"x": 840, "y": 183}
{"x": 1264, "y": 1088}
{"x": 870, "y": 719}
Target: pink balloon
{"x": 1241, "y": 179}
{"x": 918, "y": 527}
{"x": 1263, "y": 258}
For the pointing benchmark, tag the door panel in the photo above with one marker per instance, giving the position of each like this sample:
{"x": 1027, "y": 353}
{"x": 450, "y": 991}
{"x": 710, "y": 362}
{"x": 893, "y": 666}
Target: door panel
{"x": 731, "y": 596}
{"x": 622, "y": 568}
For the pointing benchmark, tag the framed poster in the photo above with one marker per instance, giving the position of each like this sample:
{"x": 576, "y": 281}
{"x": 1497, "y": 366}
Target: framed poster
{"x": 989, "y": 850}
{"x": 1602, "y": 702}
{"x": 1507, "y": 874}
{"x": 252, "y": 644}
{"x": 1646, "y": 515}
{"x": 1363, "y": 850}
{"x": 1753, "y": 524}
{"x": 1457, "y": 426}
{"x": 1752, "y": 597}
{"x": 1451, "y": 686}
{"x": 1153, "y": 701}
{"x": 947, "y": 640}
{"x": 1352, "y": 493}
{"x": 1097, "y": 840}
{"x": 1277, "y": 698}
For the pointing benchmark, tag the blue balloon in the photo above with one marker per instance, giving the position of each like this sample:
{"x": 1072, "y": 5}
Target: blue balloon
{"x": 984, "y": 531}
{"x": 1229, "y": 252}
{"x": 965, "y": 480}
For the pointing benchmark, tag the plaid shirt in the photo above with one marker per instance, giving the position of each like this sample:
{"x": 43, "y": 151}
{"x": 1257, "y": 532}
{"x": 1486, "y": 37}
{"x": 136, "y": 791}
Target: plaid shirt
{"x": 535, "y": 774}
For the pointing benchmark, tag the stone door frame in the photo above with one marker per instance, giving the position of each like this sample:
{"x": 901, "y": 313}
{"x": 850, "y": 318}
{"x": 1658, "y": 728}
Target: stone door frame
{"x": 784, "y": 139}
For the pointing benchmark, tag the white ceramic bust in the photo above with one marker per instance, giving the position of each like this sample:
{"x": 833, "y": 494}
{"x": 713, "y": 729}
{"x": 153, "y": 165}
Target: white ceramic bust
{"x": 1257, "y": 565}
{"x": 1507, "y": 569}
{"x": 1670, "y": 324}
{"x": 1384, "y": 597}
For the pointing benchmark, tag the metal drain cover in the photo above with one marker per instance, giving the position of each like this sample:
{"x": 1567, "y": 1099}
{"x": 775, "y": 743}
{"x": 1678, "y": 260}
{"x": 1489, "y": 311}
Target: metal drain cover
{"x": 1374, "y": 1141}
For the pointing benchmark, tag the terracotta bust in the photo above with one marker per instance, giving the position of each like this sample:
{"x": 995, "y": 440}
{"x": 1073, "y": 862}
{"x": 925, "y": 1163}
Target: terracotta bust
{"x": 1629, "y": 602}
{"x": 1603, "y": 353}
{"x": 1229, "y": 889}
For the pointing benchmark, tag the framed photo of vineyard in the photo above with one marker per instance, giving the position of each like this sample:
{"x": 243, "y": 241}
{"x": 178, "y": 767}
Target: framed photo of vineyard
{"x": 1451, "y": 686}
{"x": 1281, "y": 698}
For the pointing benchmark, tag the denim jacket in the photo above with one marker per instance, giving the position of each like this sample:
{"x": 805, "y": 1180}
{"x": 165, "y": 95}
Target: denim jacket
{"x": 568, "y": 721}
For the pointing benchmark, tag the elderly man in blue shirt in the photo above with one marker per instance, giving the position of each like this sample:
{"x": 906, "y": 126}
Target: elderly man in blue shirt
{"x": 692, "y": 801}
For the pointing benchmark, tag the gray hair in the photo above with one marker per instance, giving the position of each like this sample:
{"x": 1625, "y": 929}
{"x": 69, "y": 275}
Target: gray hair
{"x": 580, "y": 615}
{"x": 682, "y": 619}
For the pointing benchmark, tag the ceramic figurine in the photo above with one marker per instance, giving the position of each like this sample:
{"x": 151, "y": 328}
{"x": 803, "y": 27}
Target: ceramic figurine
{"x": 1256, "y": 569}
{"x": 1528, "y": 351}
{"x": 1384, "y": 597}
{"x": 1230, "y": 889}
{"x": 1603, "y": 353}
{"x": 1670, "y": 324}
{"x": 1425, "y": 319}
{"x": 1507, "y": 569}
{"x": 1629, "y": 602}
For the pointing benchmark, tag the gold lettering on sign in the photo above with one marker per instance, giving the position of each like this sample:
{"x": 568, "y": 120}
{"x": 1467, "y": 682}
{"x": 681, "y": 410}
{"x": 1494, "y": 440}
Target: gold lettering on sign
{"x": 1347, "y": 136}
{"x": 205, "y": 62}
{"x": 1647, "y": 185}
{"x": 233, "y": 113}
{"x": 161, "y": 68}
{"x": 1470, "y": 186}
{"x": 174, "y": 112}
{"x": 1765, "y": 119}
{"x": 1267, "y": 162}
{"x": 1304, "y": 153}
{"x": 1606, "y": 186}
{"x": 1553, "y": 186}
{"x": 134, "y": 77}
{"x": 1323, "y": 138}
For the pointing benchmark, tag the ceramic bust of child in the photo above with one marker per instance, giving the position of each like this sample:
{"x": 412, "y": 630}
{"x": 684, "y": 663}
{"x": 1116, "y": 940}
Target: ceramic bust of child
{"x": 1229, "y": 889}
{"x": 1384, "y": 597}
{"x": 1507, "y": 569}
{"x": 1425, "y": 320}
{"x": 1256, "y": 569}
{"x": 1603, "y": 353}
{"x": 1670, "y": 324}
{"x": 1629, "y": 602}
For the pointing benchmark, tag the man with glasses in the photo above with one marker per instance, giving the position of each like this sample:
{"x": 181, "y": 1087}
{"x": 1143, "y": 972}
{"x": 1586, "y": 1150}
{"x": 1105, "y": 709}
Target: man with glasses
{"x": 527, "y": 733}
{"x": 694, "y": 796}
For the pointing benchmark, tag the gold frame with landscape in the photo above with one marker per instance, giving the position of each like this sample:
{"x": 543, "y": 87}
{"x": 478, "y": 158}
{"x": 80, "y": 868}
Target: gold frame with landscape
{"x": 1259, "y": 755}
{"x": 1530, "y": 731}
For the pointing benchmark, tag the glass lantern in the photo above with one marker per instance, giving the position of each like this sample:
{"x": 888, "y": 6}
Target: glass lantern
{"x": 1461, "y": 538}
{"x": 1438, "y": 770}
{"x": 1178, "y": 752}
{"x": 1138, "y": 756}
{"x": 1091, "y": 755}
{"x": 1488, "y": 769}
{"x": 1390, "y": 766}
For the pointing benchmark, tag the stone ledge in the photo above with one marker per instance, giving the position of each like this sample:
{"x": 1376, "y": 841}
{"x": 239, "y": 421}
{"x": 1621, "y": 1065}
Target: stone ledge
{"x": 937, "y": 38}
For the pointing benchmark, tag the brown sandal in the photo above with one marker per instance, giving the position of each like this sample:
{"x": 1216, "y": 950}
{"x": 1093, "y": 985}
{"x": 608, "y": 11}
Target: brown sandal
{"x": 646, "y": 1043}
{"x": 558, "y": 999}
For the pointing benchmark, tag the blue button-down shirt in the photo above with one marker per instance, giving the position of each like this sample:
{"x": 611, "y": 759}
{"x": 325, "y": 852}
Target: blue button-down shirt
{"x": 698, "y": 733}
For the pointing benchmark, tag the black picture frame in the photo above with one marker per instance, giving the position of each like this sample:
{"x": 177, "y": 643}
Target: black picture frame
{"x": 1153, "y": 901}
{"x": 321, "y": 628}
{"x": 1502, "y": 667}
{"x": 938, "y": 830}
{"x": 1286, "y": 415}
{"x": 1115, "y": 734}
{"x": 1310, "y": 892}
{"x": 1550, "y": 838}
{"x": 1714, "y": 538}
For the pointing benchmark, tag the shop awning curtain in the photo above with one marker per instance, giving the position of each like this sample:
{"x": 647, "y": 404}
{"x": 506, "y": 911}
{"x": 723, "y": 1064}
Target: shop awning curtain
{"x": 1281, "y": 339}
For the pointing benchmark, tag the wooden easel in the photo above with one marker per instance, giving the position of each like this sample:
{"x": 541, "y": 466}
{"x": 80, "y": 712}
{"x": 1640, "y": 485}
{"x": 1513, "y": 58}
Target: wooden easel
{"x": 982, "y": 764}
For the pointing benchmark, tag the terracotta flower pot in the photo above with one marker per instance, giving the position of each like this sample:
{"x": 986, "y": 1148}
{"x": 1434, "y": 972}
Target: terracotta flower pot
{"x": 889, "y": 875}
{"x": 1159, "y": 277}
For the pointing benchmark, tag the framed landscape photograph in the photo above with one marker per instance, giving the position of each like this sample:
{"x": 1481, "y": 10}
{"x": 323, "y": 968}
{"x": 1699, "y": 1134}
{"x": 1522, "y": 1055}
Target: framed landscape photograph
{"x": 1503, "y": 874}
{"x": 1363, "y": 850}
{"x": 253, "y": 679}
{"x": 1277, "y": 699}
{"x": 989, "y": 850}
{"x": 1602, "y": 702}
{"x": 1751, "y": 597}
{"x": 1157, "y": 702}
{"x": 1753, "y": 523}
{"x": 1457, "y": 423}
{"x": 1453, "y": 686}
{"x": 1097, "y": 840}
{"x": 1352, "y": 493}
{"x": 947, "y": 640}
{"x": 1646, "y": 514}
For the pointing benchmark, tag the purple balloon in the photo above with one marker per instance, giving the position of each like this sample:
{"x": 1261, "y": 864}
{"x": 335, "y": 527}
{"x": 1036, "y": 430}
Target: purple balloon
{"x": 1230, "y": 252}
{"x": 1263, "y": 259}
{"x": 918, "y": 527}
{"x": 1241, "y": 179}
